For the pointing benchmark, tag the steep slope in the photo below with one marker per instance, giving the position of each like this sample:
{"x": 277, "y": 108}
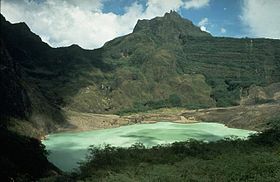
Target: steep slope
{"x": 168, "y": 28}
{"x": 23, "y": 158}
{"x": 164, "y": 62}
{"x": 22, "y": 98}
{"x": 33, "y": 73}
{"x": 167, "y": 58}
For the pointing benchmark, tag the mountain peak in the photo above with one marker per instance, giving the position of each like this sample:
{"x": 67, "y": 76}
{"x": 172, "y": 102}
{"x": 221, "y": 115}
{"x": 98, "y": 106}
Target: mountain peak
{"x": 170, "y": 24}
{"x": 172, "y": 14}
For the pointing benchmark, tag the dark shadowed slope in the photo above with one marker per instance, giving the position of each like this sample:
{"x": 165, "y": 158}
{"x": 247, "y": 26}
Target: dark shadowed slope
{"x": 165, "y": 62}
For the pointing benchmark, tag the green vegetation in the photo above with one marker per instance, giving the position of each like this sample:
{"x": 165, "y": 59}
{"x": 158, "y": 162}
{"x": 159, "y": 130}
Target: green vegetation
{"x": 165, "y": 62}
{"x": 255, "y": 159}
{"x": 172, "y": 101}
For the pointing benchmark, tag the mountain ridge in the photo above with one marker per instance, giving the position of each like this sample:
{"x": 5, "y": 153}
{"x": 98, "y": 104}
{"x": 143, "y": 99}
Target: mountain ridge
{"x": 171, "y": 66}
{"x": 171, "y": 22}
{"x": 43, "y": 88}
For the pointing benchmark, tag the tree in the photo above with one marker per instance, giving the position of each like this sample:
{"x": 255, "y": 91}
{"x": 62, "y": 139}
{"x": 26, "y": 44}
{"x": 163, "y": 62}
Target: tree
{"x": 174, "y": 100}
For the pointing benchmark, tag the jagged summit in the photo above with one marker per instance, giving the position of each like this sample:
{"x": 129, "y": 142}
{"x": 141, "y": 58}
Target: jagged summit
{"x": 169, "y": 25}
{"x": 166, "y": 62}
{"x": 164, "y": 58}
{"x": 172, "y": 14}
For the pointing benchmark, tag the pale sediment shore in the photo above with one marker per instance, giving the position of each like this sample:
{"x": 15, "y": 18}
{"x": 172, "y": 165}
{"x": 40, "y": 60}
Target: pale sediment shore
{"x": 242, "y": 117}
{"x": 88, "y": 121}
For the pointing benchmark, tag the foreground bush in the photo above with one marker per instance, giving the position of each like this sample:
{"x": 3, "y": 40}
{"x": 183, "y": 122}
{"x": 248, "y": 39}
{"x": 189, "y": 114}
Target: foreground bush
{"x": 255, "y": 159}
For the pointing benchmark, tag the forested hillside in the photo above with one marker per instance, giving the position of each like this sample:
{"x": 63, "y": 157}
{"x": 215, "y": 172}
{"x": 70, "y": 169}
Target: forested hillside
{"x": 164, "y": 62}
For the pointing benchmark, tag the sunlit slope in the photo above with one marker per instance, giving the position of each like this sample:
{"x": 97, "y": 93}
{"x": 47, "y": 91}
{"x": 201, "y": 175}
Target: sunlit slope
{"x": 164, "y": 62}
{"x": 168, "y": 58}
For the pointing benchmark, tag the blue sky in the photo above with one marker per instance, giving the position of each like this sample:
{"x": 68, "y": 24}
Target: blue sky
{"x": 90, "y": 23}
{"x": 221, "y": 14}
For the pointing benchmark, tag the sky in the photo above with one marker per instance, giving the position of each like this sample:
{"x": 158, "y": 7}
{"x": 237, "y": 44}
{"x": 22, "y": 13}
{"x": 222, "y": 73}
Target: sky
{"x": 91, "y": 23}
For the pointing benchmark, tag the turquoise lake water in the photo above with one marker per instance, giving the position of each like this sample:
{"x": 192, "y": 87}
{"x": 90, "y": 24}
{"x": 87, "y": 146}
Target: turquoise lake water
{"x": 68, "y": 148}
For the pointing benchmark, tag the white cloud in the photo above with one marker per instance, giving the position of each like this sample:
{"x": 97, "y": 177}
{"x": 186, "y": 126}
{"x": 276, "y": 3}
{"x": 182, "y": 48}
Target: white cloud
{"x": 203, "y": 28}
{"x": 195, "y": 4}
{"x": 202, "y": 24}
{"x": 262, "y": 17}
{"x": 62, "y": 23}
{"x": 158, "y": 7}
{"x": 223, "y": 30}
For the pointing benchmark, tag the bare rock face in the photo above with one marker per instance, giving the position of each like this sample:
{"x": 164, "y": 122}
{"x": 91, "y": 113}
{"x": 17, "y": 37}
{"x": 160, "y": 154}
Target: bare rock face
{"x": 170, "y": 27}
{"x": 251, "y": 117}
{"x": 165, "y": 62}
{"x": 261, "y": 95}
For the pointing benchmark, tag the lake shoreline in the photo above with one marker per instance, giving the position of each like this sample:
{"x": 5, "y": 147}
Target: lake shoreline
{"x": 229, "y": 116}
{"x": 75, "y": 127}
{"x": 75, "y": 145}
